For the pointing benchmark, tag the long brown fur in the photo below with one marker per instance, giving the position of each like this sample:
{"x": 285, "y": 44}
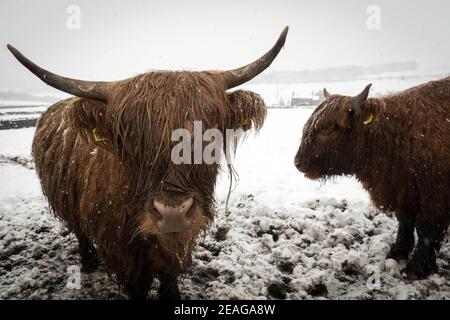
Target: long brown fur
{"x": 104, "y": 189}
{"x": 401, "y": 157}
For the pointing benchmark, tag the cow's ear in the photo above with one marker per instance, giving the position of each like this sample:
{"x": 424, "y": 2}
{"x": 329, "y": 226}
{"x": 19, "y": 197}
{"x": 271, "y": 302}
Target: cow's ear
{"x": 248, "y": 110}
{"x": 86, "y": 117}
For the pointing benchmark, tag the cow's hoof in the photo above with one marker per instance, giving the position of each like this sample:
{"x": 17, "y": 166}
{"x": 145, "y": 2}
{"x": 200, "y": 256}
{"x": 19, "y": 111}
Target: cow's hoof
{"x": 418, "y": 270}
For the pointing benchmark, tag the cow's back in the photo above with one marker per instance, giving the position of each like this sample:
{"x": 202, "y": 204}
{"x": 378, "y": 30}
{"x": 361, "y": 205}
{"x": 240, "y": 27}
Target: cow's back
{"x": 423, "y": 115}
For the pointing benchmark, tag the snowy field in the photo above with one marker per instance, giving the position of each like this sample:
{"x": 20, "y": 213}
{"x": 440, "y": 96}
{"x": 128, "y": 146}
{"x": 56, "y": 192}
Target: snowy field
{"x": 283, "y": 237}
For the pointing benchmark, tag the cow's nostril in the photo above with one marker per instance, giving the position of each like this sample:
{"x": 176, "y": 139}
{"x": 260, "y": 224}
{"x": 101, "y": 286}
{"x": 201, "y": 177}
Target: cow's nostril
{"x": 156, "y": 214}
{"x": 297, "y": 162}
{"x": 179, "y": 209}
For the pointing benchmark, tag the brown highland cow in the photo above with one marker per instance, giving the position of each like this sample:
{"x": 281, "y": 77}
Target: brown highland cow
{"x": 104, "y": 161}
{"x": 398, "y": 147}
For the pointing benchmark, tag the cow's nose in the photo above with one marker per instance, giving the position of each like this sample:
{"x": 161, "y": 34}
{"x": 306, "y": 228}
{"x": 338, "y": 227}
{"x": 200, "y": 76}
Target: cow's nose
{"x": 174, "y": 218}
{"x": 297, "y": 163}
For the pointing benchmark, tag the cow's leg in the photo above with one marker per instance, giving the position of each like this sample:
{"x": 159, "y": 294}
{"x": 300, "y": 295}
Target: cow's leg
{"x": 405, "y": 236}
{"x": 137, "y": 288}
{"x": 168, "y": 289}
{"x": 88, "y": 253}
{"x": 431, "y": 230}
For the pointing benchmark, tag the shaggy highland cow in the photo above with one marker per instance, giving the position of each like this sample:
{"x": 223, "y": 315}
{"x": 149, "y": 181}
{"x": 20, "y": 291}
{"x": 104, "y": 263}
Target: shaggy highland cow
{"x": 104, "y": 161}
{"x": 398, "y": 147}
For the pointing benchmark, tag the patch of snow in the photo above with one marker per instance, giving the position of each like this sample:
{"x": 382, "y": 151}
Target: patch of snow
{"x": 16, "y": 142}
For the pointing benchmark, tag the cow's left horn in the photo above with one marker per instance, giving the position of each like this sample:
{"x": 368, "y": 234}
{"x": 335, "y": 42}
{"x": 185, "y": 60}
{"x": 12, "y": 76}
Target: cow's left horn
{"x": 236, "y": 77}
{"x": 97, "y": 90}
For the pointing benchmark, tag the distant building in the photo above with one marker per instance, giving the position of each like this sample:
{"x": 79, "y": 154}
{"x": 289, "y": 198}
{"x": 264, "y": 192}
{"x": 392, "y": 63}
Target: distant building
{"x": 304, "y": 101}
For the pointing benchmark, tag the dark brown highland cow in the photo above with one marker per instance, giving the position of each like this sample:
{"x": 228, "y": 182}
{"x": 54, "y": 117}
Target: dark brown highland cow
{"x": 398, "y": 147}
{"x": 104, "y": 161}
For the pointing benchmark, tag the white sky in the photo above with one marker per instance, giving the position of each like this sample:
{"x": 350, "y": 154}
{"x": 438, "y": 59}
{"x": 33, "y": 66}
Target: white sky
{"x": 121, "y": 38}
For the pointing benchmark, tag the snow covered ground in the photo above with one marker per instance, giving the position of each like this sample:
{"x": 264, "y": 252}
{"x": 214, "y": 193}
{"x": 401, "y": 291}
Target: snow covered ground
{"x": 283, "y": 237}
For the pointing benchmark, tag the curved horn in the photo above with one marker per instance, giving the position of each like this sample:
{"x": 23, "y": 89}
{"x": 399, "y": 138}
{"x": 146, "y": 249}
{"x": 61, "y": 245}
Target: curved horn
{"x": 357, "y": 101}
{"x": 360, "y": 98}
{"x": 236, "y": 77}
{"x": 326, "y": 94}
{"x": 97, "y": 90}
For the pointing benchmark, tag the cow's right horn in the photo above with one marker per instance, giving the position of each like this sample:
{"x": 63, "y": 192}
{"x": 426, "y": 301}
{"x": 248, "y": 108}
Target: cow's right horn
{"x": 97, "y": 90}
{"x": 236, "y": 77}
{"x": 358, "y": 100}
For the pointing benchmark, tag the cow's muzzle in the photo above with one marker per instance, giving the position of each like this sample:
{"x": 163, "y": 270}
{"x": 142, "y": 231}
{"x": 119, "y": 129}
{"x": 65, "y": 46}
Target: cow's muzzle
{"x": 174, "y": 217}
{"x": 299, "y": 163}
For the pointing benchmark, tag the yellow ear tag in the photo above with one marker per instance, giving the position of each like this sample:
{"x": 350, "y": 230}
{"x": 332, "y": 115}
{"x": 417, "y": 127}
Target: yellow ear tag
{"x": 368, "y": 119}
{"x": 244, "y": 122}
{"x": 96, "y": 137}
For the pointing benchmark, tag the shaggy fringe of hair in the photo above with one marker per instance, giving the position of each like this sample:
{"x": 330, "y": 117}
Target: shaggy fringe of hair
{"x": 146, "y": 109}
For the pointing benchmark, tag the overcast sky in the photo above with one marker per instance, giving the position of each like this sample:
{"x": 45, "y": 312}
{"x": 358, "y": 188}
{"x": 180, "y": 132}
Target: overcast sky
{"x": 117, "y": 39}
